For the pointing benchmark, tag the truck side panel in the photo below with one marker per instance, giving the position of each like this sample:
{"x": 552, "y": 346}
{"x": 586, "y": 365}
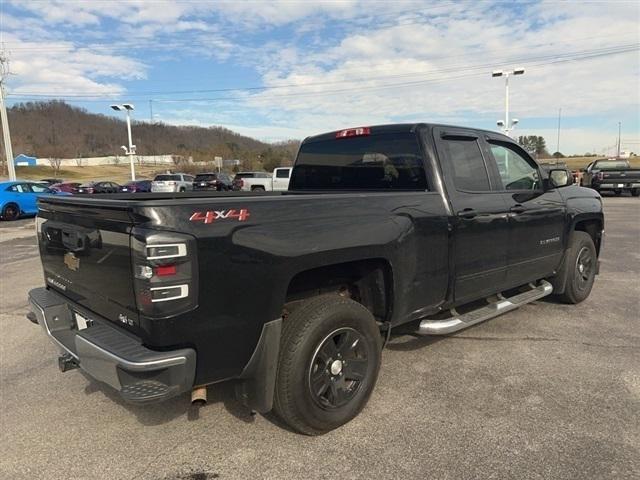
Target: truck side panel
{"x": 257, "y": 257}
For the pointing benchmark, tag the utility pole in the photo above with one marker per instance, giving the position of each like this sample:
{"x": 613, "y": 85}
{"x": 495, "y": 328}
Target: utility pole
{"x": 4, "y": 72}
{"x": 558, "y": 144}
{"x": 619, "y": 130}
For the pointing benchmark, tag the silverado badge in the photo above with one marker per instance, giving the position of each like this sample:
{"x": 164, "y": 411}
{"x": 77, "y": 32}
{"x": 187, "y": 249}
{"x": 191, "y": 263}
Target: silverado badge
{"x": 71, "y": 261}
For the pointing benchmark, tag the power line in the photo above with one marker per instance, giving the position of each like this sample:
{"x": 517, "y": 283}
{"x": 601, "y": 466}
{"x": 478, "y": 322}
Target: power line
{"x": 542, "y": 60}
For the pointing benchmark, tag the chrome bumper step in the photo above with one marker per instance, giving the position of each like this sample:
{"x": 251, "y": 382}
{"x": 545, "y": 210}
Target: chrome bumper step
{"x": 496, "y": 306}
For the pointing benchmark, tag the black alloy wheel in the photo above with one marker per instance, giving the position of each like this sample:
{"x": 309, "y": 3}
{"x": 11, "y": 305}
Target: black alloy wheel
{"x": 580, "y": 266}
{"x": 10, "y": 212}
{"x": 338, "y": 368}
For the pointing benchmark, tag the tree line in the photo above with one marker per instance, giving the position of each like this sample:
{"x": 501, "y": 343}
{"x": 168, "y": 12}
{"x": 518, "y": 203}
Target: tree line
{"x": 55, "y": 129}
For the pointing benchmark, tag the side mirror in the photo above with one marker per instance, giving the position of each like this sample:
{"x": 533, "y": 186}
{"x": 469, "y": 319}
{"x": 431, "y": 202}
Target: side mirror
{"x": 559, "y": 177}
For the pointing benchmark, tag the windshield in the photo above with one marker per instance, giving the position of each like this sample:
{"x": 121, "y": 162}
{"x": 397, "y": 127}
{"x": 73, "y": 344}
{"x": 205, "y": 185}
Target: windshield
{"x": 384, "y": 161}
{"x": 612, "y": 165}
{"x": 164, "y": 178}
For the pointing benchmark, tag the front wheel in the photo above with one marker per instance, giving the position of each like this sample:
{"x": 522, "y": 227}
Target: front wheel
{"x": 581, "y": 265}
{"x": 10, "y": 212}
{"x": 328, "y": 364}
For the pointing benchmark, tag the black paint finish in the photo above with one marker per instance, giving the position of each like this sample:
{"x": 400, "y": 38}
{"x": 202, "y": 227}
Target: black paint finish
{"x": 436, "y": 258}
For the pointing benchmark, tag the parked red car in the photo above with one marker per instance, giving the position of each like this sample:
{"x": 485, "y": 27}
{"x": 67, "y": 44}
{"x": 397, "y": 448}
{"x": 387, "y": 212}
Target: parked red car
{"x": 69, "y": 187}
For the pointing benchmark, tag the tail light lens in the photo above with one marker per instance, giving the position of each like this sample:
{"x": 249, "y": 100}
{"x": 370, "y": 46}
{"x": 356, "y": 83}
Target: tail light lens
{"x": 165, "y": 272}
{"x": 241, "y": 183}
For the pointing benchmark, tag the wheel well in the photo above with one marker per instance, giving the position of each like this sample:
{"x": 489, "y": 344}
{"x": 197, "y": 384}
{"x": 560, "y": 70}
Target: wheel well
{"x": 8, "y": 204}
{"x": 368, "y": 282}
{"x": 594, "y": 229}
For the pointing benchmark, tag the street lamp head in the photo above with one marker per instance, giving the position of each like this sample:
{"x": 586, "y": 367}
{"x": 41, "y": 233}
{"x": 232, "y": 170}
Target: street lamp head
{"x": 514, "y": 121}
{"x": 127, "y": 106}
{"x": 124, "y": 148}
{"x": 497, "y": 73}
{"x": 518, "y": 71}
{"x": 117, "y": 107}
{"x": 500, "y": 123}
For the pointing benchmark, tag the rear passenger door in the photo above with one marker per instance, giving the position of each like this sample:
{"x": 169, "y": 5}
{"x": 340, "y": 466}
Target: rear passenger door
{"x": 481, "y": 227}
{"x": 536, "y": 217}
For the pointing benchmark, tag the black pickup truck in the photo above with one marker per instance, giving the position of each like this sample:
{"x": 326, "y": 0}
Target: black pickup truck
{"x": 615, "y": 176}
{"x": 292, "y": 295}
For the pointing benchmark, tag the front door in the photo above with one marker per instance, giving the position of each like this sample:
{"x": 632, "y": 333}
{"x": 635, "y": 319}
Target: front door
{"x": 481, "y": 222}
{"x": 536, "y": 217}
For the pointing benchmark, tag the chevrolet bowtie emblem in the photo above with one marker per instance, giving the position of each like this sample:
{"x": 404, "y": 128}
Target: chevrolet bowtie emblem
{"x": 71, "y": 261}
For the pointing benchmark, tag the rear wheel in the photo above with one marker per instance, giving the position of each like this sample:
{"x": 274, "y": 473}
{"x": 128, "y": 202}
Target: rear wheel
{"x": 257, "y": 189}
{"x": 617, "y": 192}
{"x": 328, "y": 364}
{"x": 580, "y": 265}
{"x": 10, "y": 212}
{"x": 635, "y": 192}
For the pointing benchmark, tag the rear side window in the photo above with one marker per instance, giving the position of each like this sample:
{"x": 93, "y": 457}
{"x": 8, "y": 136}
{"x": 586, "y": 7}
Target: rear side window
{"x": 390, "y": 161}
{"x": 205, "y": 178}
{"x": 282, "y": 173}
{"x": 469, "y": 171}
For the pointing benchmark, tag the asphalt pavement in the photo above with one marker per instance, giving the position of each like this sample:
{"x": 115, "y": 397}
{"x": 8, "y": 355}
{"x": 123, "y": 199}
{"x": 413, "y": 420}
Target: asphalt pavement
{"x": 547, "y": 391}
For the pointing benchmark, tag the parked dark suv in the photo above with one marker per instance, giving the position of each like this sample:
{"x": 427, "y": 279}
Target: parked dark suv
{"x": 212, "y": 181}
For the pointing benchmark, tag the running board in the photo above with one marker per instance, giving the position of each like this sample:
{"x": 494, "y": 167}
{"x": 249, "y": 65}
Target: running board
{"x": 496, "y": 307}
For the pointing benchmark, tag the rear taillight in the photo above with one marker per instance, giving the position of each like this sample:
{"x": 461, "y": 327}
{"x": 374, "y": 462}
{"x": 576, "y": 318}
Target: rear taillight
{"x": 165, "y": 273}
{"x": 241, "y": 183}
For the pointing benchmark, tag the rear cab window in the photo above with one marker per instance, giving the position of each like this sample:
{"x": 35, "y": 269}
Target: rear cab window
{"x": 205, "y": 177}
{"x": 384, "y": 161}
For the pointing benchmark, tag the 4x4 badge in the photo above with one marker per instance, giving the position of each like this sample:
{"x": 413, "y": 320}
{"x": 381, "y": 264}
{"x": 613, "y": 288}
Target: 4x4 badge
{"x": 71, "y": 261}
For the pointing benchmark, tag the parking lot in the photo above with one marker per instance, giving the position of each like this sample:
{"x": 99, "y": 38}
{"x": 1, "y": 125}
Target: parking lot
{"x": 547, "y": 391}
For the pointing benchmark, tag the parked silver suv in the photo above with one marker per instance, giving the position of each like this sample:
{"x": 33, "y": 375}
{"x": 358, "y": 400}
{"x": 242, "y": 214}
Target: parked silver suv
{"x": 172, "y": 182}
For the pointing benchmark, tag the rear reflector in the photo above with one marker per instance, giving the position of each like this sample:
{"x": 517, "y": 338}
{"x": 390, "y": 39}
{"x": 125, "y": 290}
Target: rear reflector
{"x": 165, "y": 270}
{"x": 353, "y": 132}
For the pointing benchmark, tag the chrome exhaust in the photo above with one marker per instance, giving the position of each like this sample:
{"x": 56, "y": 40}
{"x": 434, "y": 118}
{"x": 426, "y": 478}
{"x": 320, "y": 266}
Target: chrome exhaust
{"x": 199, "y": 396}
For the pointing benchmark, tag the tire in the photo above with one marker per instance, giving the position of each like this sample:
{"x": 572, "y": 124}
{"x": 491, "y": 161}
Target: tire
{"x": 617, "y": 192}
{"x": 10, "y": 212}
{"x": 332, "y": 345}
{"x": 580, "y": 268}
{"x": 258, "y": 189}
{"x": 182, "y": 189}
{"x": 635, "y": 192}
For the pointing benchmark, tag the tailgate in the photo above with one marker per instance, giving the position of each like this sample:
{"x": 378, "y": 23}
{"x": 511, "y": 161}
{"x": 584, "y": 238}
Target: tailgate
{"x": 86, "y": 256}
{"x": 620, "y": 175}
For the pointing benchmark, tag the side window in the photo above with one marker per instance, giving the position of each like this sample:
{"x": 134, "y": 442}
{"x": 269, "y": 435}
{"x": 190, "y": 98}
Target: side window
{"x": 469, "y": 171}
{"x": 35, "y": 188}
{"x": 19, "y": 188}
{"x": 282, "y": 173}
{"x": 516, "y": 172}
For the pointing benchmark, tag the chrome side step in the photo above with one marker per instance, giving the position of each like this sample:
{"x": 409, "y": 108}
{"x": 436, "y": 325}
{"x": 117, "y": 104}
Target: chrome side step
{"x": 497, "y": 306}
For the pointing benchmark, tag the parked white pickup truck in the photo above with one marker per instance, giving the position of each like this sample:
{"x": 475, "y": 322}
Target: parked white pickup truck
{"x": 263, "y": 181}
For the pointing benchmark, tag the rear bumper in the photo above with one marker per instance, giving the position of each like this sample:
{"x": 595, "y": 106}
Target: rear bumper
{"x": 618, "y": 186}
{"x": 111, "y": 356}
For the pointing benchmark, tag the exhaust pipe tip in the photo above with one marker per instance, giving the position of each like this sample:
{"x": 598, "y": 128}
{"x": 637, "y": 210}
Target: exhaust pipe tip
{"x": 199, "y": 396}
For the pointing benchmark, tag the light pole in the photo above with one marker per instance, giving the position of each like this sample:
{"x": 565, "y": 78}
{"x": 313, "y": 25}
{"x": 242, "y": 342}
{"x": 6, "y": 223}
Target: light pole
{"x": 131, "y": 151}
{"x": 504, "y": 124}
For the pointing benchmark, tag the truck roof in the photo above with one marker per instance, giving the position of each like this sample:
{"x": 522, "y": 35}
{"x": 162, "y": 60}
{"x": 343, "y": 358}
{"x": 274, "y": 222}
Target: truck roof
{"x": 398, "y": 128}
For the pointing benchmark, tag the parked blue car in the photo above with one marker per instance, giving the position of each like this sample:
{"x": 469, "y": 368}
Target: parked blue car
{"x": 19, "y": 198}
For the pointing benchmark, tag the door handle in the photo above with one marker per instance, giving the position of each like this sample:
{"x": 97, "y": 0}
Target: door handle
{"x": 517, "y": 209}
{"x": 467, "y": 213}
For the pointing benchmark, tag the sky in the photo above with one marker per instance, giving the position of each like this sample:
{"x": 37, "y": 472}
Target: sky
{"x": 288, "y": 69}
